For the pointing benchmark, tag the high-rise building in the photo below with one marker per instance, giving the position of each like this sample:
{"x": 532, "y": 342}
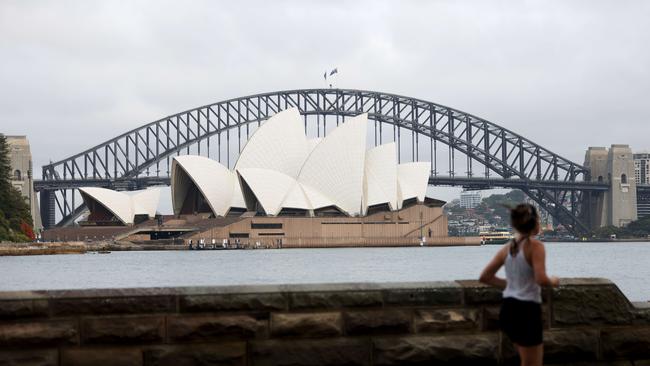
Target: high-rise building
{"x": 21, "y": 174}
{"x": 642, "y": 168}
{"x": 470, "y": 199}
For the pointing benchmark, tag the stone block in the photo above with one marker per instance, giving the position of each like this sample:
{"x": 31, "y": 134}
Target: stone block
{"x": 38, "y": 333}
{"x": 132, "y": 330}
{"x": 13, "y": 309}
{"x": 49, "y": 357}
{"x": 437, "y": 320}
{"x": 377, "y": 321}
{"x": 590, "y": 305}
{"x": 101, "y": 356}
{"x": 113, "y": 305}
{"x": 426, "y": 296}
{"x": 490, "y": 318}
{"x": 325, "y": 300}
{"x": 471, "y": 349}
{"x": 627, "y": 343}
{"x": 641, "y": 313}
{"x": 476, "y": 293}
{"x": 306, "y": 325}
{"x": 232, "y": 354}
{"x": 233, "y": 302}
{"x": 580, "y": 345}
{"x": 321, "y": 352}
{"x": 197, "y": 328}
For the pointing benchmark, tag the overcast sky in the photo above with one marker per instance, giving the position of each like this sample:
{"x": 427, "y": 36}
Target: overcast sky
{"x": 567, "y": 74}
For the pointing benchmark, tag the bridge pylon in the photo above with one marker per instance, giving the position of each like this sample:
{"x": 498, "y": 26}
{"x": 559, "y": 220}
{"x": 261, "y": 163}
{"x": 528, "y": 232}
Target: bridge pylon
{"x": 615, "y": 167}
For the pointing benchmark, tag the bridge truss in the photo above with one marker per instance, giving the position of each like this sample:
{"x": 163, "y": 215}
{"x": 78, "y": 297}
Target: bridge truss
{"x": 462, "y": 149}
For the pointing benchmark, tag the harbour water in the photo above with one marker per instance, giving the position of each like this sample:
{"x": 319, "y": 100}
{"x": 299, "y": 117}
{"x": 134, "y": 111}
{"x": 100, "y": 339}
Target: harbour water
{"x": 624, "y": 263}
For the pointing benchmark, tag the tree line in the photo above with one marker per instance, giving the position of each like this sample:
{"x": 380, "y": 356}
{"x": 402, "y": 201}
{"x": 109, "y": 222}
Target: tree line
{"x": 15, "y": 217}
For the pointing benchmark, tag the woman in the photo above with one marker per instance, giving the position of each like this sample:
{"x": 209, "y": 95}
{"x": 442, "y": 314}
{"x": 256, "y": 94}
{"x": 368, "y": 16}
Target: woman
{"x": 525, "y": 261}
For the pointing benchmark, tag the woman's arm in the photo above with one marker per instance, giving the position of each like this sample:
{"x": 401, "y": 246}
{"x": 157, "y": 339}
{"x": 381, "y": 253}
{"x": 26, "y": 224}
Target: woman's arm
{"x": 539, "y": 265}
{"x": 488, "y": 276}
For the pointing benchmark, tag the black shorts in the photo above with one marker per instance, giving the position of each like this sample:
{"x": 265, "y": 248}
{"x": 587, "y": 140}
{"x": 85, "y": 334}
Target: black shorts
{"x": 521, "y": 321}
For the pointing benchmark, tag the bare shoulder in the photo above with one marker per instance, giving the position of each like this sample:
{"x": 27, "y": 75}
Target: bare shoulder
{"x": 503, "y": 252}
{"x": 537, "y": 246}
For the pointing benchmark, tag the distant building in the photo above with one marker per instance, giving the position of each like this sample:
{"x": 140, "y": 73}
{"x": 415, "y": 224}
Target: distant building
{"x": 21, "y": 174}
{"x": 642, "y": 168}
{"x": 470, "y": 199}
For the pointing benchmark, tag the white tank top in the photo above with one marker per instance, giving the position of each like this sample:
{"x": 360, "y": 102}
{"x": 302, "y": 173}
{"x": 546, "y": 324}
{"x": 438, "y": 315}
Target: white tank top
{"x": 520, "y": 278}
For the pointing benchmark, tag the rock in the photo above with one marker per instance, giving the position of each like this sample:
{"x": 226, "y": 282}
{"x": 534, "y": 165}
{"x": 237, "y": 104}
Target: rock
{"x": 38, "y": 333}
{"x": 13, "y": 309}
{"x": 571, "y": 345}
{"x": 590, "y": 305}
{"x": 310, "y": 300}
{"x": 437, "y": 320}
{"x": 426, "y": 296}
{"x": 212, "y": 354}
{"x": 114, "y": 305}
{"x": 321, "y": 352}
{"x": 123, "y": 330}
{"x": 471, "y": 349}
{"x": 377, "y": 321}
{"x": 233, "y": 302}
{"x": 101, "y": 356}
{"x": 48, "y": 357}
{"x": 627, "y": 343}
{"x": 476, "y": 293}
{"x": 490, "y": 319}
{"x": 195, "y": 328}
{"x": 306, "y": 325}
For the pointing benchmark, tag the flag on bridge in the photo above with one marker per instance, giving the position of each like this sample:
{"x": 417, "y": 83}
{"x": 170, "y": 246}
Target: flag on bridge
{"x": 335, "y": 71}
{"x": 325, "y": 75}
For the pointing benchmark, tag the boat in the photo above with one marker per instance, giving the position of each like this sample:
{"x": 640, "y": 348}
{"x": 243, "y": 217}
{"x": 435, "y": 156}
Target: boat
{"x": 496, "y": 236}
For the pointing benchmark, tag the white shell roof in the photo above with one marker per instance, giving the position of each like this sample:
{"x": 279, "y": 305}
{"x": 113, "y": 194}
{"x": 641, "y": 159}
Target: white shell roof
{"x": 316, "y": 198}
{"x": 238, "y": 197}
{"x": 269, "y": 186}
{"x": 125, "y": 206}
{"x": 214, "y": 181}
{"x": 313, "y": 143}
{"x": 380, "y": 182}
{"x": 284, "y": 169}
{"x": 296, "y": 198}
{"x": 412, "y": 180}
{"x": 118, "y": 203}
{"x": 145, "y": 202}
{"x": 335, "y": 166}
{"x": 278, "y": 144}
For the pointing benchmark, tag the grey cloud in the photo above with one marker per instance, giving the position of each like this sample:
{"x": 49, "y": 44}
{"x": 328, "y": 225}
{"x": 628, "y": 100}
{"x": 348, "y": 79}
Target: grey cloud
{"x": 567, "y": 74}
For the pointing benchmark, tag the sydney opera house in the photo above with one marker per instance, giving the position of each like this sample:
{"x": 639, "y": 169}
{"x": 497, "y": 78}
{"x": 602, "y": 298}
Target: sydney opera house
{"x": 284, "y": 190}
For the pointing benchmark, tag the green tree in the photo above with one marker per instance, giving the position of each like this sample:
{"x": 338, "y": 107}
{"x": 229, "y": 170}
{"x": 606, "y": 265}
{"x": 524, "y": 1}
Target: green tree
{"x": 15, "y": 216}
{"x": 498, "y": 203}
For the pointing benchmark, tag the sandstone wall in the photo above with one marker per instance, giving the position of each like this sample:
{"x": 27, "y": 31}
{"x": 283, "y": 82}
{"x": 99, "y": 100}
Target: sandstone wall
{"x": 588, "y": 321}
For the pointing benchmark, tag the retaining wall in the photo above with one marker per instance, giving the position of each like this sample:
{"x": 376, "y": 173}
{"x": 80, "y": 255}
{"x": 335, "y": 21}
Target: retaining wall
{"x": 587, "y": 321}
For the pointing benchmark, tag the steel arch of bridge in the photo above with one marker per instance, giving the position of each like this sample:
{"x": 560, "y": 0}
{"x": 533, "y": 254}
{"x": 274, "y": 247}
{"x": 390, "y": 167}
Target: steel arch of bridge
{"x": 133, "y": 159}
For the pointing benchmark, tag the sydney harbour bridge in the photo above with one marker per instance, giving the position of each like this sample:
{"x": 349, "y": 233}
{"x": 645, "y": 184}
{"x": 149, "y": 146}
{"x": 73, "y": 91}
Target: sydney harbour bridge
{"x": 463, "y": 149}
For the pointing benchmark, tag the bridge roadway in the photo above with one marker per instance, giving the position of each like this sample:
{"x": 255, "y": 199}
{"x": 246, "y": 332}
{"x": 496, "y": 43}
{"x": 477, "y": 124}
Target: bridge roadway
{"x": 472, "y": 183}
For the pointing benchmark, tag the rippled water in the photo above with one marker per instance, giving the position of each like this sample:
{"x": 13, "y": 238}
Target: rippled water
{"x": 627, "y": 264}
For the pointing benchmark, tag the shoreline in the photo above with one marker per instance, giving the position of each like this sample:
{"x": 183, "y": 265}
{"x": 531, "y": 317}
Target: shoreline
{"x": 80, "y": 247}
